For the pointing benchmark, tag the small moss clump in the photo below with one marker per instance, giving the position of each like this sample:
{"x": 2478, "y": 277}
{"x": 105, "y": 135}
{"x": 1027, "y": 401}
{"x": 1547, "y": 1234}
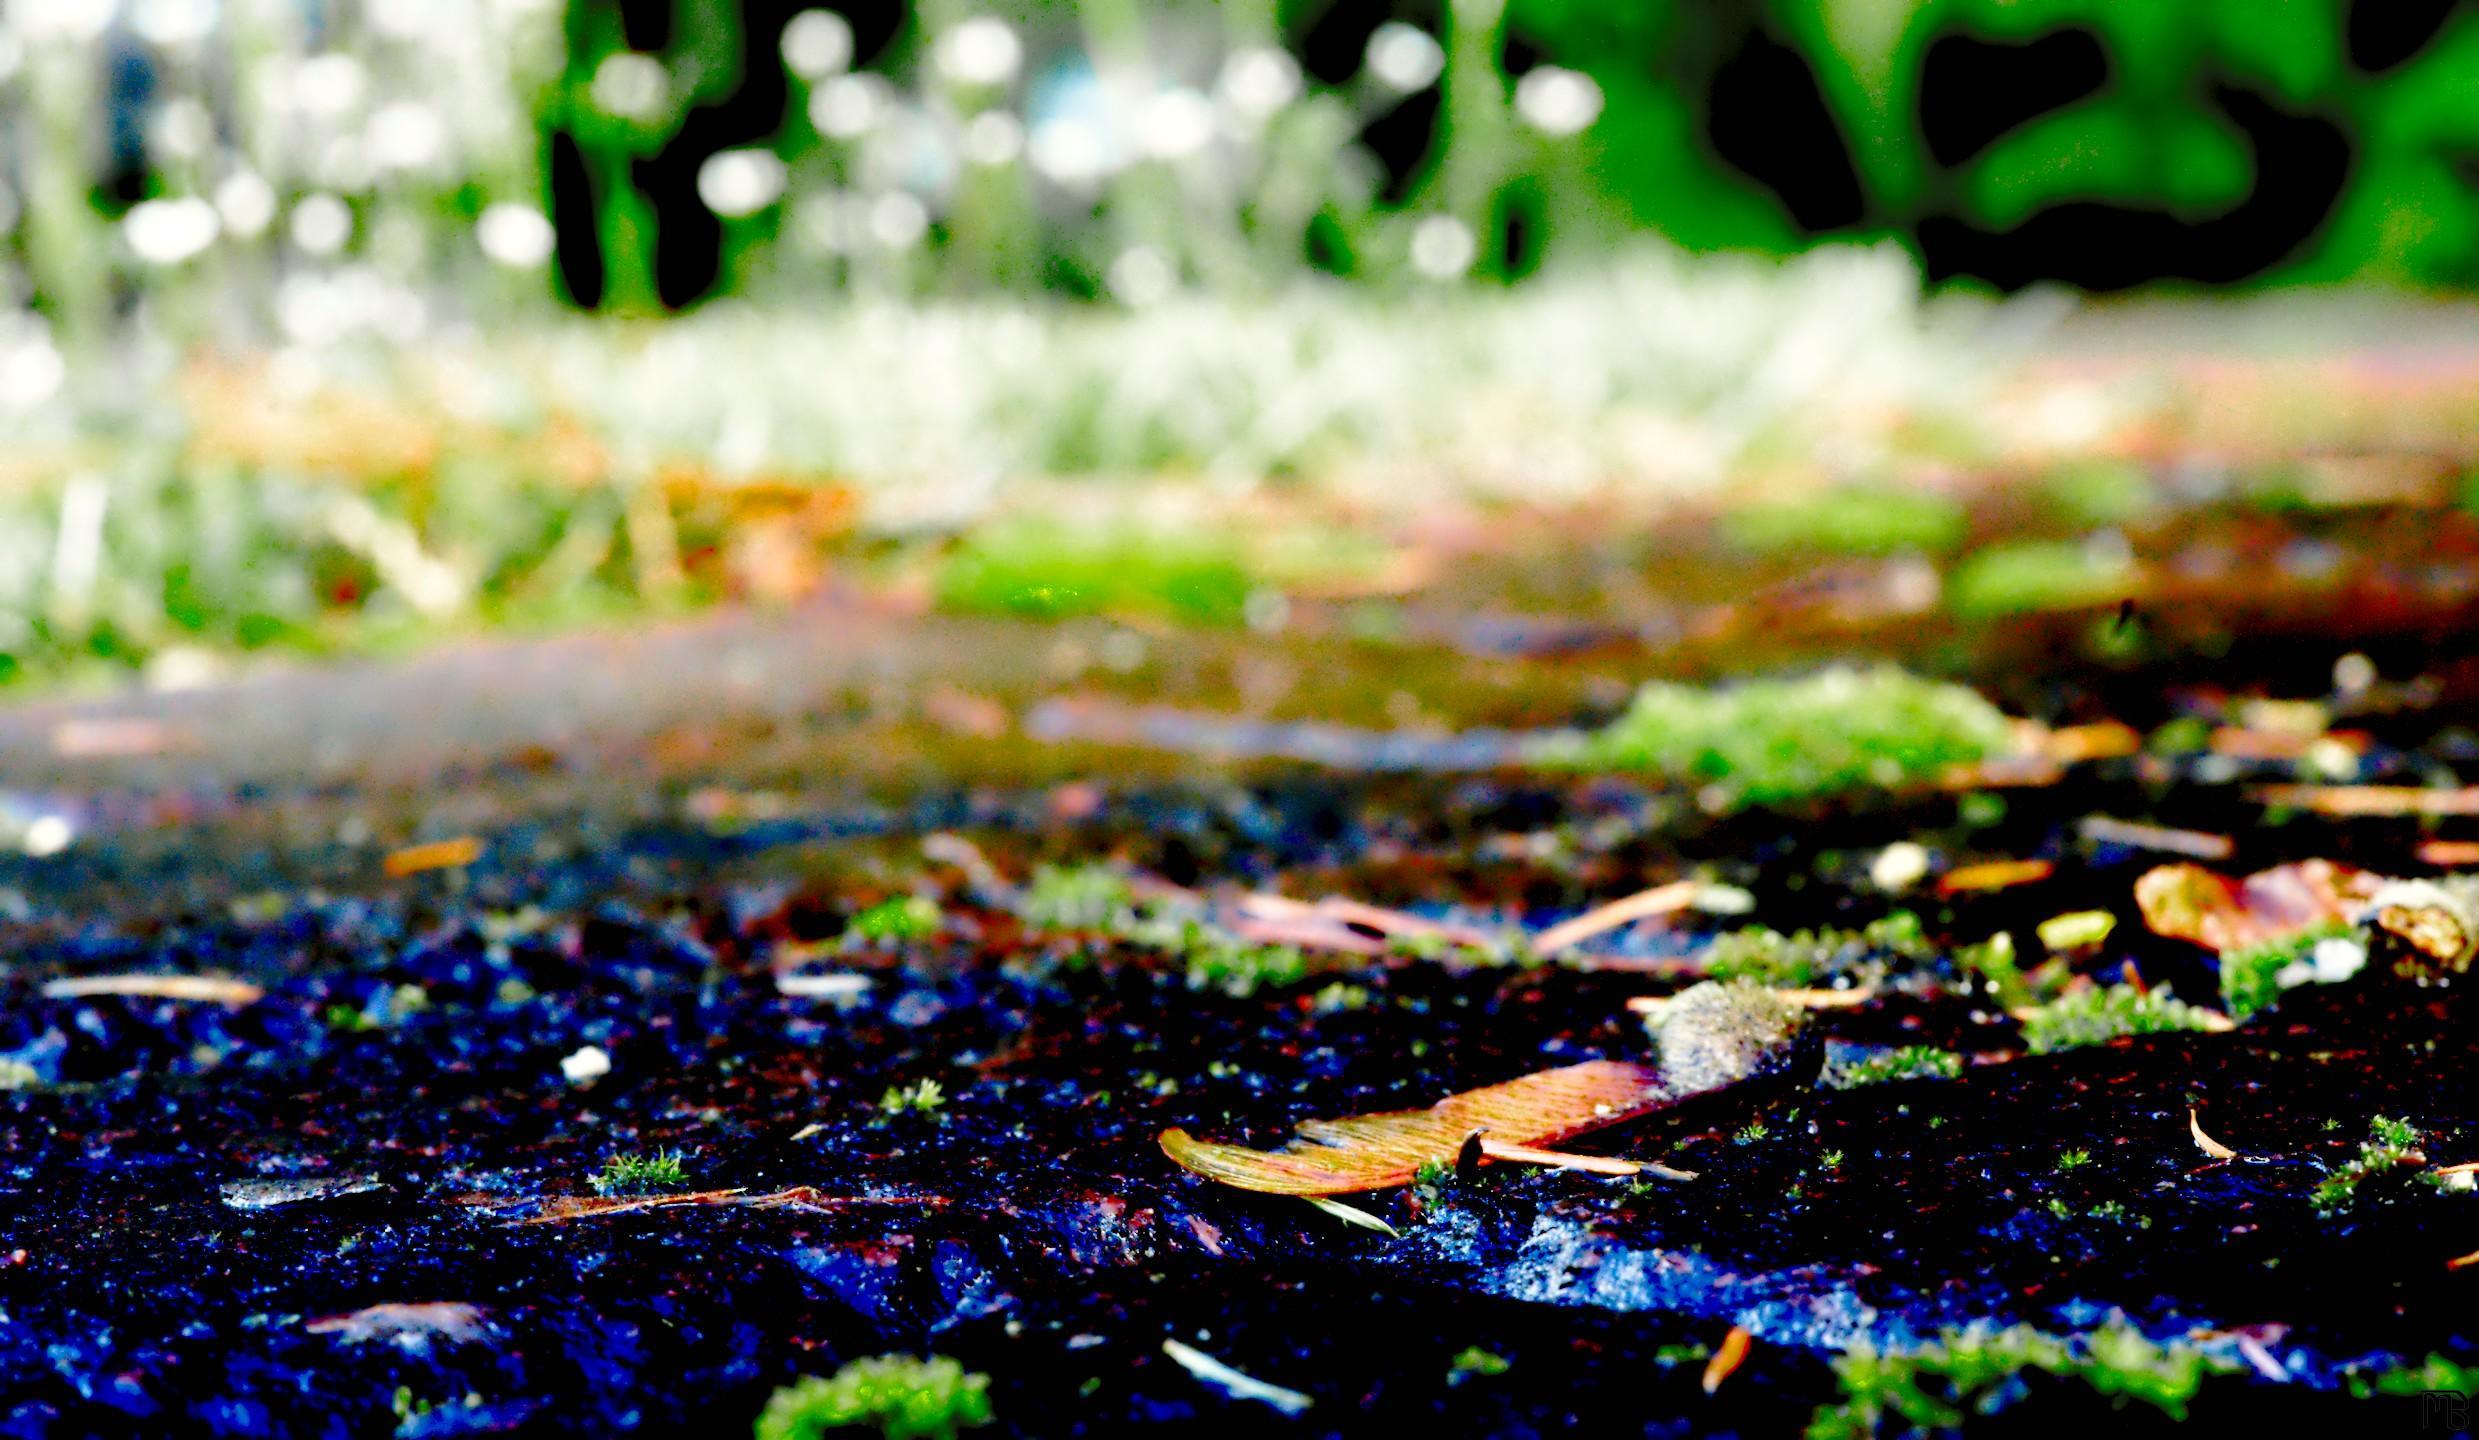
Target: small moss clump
{"x": 1911, "y": 1062}
{"x": 906, "y": 917}
{"x": 922, "y": 1097}
{"x": 641, "y": 1174}
{"x": 1769, "y": 741}
{"x": 2437, "y": 1372}
{"x": 1970, "y": 1373}
{"x": 2033, "y": 577}
{"x": 1810, "y": 957}
{"x": 2102, "y": 1013}
{"x": 1475, "y": 1362}
{"x": 900, "y": 1397}
{"x": 2389, "y": 1146}
{"x": 1850, "y": 520}
{"x": 2251, "y": 978}
{"x": 1077, "y": 897}
{"x": 1049, "y": 571}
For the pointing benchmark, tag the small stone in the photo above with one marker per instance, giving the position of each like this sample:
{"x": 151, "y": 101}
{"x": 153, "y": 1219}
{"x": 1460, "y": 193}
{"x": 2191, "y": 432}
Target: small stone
{"x": 271, "y": 1194}
{"x": 1899, "y": 866}
{"x": 586, "y": 1066}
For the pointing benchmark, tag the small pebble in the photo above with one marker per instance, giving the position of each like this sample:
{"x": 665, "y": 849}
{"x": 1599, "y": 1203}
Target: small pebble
{"x": 586, "y": 1066}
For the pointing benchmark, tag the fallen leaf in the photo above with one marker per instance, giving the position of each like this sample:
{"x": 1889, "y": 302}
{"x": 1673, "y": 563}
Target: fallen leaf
{"x": 453, "y": 854}
{"x": 1352, "y": 1216}
{"x": 212, "y": 989}
{"x": 2188, "y": 902}
{"x": 2449, "y": 854}
{"x": 2136, "y": 835}
{"x": 1728, "y": 1358}
{"x": 1378, "y": 1151}
{"x": 1231, "y": 1382}
{"x": 1994, "y": 875}
{"x": 2206, "y": 1143}
{"x": 1644, "y": 904}
{"x": 2362, "y": 801}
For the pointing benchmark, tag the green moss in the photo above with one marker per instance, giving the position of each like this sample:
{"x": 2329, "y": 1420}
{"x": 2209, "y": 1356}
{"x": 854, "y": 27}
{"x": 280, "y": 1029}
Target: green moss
{"x": 1239, "y": 968}
{"x": 906, "y": 917}
{"x": 2101, "y": 1013}
{"x": 2070, "y": 1160}
{"x": 2250, "y": 978}
{"x": 1474, "y": 1363}
{"x": 1850, "y": 520}
{"x": 2030, "y": 577}
{"x": 2435, "y": 1373}
{"x": 1765, "y": 741}
{"x": 641, "y": 1174}
{"x": 1077, "y": 897}
{"x": 1049, "y": 570}
{"x": 1970, "y": 1373}
{"x": 1911, "y": 1062}
{"x": 2386, "y": 1150}
{"x": 922, "y": 1097}
{"x": 900, "y": 1397}
{"x": 2102, "y": 491}
{"x": 1809, "y": 957}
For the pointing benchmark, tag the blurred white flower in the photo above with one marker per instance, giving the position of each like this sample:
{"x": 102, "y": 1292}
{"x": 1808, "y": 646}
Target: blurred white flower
{"x": 1258, "y": 81}
{"x": 1443, "y": 247}
{"x": 328, "y": 84}
{"x": 817, "y": 43}
{"x": 322, "y": 224}
{"x": 1140, "y": 276}
{"x": 408, "y": 19}
{"x": 1176, "y": 123}
{"x": 167, "y": 232}
{"x": 170, "y": 23}
{"x": 848, "y": 105}
{"x": 181, "y": 128}
{"x": 993, "y": 137}
{"x": 1557, "y": 101}
{"x": 246, "y": 202}
{"x": 1070, "y": 150}
{"x": 60, "y": 21}
{"x": 407, "y": 135}
{"x": 1405, "y": 57}
{"x": 898, "y": 220}
{"x": 980, "y": 51}
{"x": 515, "y": 235}
{"x": 736, "y": 183}
{"x": 31, "y": 369}
{"x": 631, "y": 86}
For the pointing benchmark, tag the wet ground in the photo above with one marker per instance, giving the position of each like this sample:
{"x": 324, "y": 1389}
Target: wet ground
{"x": 360, "y": 1200}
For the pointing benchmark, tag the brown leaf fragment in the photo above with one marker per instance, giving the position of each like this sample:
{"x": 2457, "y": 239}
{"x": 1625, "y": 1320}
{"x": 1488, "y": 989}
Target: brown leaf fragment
{"x": 2137, "y": 835}
{"x": 2188, "y": 902}
{"x": 1994, "y": 875}
{"x": 452, "y": 1320}
{"x": 1643, "y": 905}
{"x": 2365, "y": 801}
{"x": 2206, "y": 1143}
{"x": 1559, "y": 1159}
{"x": 1728, "y": 1357}
{"x": 209, "y": 989}
{"x": 1375, "y": 1152}
{"x": 453, "y": 854}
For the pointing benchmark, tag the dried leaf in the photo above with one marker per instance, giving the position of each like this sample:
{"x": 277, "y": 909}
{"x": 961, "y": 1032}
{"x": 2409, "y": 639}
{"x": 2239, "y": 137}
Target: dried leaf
{"x": 212, "y": 989}
{"x": 1994, "y": 875}
{"x": 2136, "y": 835}
{"x": 1375, "y": 1152}
{"x": 1660, "y": 900}
{"x": 1728, "y": 1358}
{"x": 1350, "y": 1216}
{"x": 2206, "y": 1143}
{"x": 1231, "y": 1382}
{"x": 2449, "y": 854}
{"x": 453, "y": 854}
{"x": 1559, "y": 1159}
{"x": 2188, "y": 902}
{"x": 2364, "y": 801}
